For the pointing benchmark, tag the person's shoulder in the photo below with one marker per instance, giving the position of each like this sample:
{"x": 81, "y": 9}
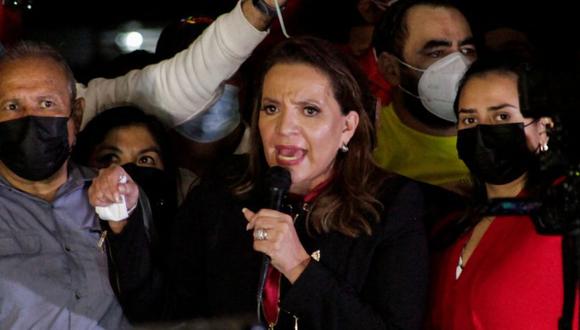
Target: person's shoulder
{"x": 397, "y": 194}
{"x": 441, "y": 204}
{"x": 402, "y": 206}
{"x": 394, "y": 185}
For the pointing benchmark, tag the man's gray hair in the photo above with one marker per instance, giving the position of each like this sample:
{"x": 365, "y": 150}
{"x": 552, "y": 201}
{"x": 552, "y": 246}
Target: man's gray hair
{"x": 34, "y": 49}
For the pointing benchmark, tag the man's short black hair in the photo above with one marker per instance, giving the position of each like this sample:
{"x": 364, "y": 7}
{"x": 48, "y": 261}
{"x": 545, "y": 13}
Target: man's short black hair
{"x": 391, "y": 31}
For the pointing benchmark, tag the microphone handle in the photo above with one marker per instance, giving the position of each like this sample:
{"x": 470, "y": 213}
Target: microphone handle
{"x": 275, "y": 203}
{"x": 262, "y": 279}
{"x": 276, "y": 196}
{"x": 279, "y": 181}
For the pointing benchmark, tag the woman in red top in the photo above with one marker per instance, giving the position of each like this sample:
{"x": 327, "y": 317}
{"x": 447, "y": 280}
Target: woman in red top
{"x": 500, "y": 274}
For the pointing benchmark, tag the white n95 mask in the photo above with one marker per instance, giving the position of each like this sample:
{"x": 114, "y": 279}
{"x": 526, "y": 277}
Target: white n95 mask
{"x": 438, "y": 84}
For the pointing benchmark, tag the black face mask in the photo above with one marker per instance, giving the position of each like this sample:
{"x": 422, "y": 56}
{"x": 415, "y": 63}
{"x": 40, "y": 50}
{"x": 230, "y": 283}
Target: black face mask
{"x": 496, "y": 154}
{"x": 161, "y": 190}
{"x": 33, "y": 147}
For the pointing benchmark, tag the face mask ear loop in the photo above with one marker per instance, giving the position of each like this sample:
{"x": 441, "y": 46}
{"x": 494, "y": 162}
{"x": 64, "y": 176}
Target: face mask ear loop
{"x": 530, "y": 123}
{"x": 412, "y": 68}
{"x": 280, "y": 19}
{"x": 408, "y": 92}
{"x": 408, "y": 65}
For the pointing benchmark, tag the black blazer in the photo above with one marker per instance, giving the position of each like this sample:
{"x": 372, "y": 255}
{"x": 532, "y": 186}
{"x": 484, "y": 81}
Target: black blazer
{"x": 369, "y": 282}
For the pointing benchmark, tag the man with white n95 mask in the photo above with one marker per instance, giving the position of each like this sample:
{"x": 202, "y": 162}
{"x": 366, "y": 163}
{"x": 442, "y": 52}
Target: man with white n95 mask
{"x": 423, "y": 47}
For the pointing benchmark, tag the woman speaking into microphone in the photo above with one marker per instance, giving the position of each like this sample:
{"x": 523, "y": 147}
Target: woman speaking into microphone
{"x": 347, "y": 248}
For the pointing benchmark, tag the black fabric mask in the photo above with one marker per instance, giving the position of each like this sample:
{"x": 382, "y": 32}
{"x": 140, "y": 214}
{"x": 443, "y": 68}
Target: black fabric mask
{"x": 496, "y": 154}
{"x": 161, "y": 190}
{"x": 34, "y": 147}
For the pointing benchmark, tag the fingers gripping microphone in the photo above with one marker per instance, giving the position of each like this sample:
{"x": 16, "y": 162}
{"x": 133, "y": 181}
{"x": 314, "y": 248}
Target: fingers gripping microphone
{"x": 278, "y": 182}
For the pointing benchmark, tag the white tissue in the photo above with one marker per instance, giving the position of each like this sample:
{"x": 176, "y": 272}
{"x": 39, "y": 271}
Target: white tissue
{"x": 115, "y": 211}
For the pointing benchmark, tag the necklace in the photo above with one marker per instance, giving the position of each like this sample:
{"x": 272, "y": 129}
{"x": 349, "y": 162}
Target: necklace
{"x": 459, "y": 268}
{"x": 472, "y": 243}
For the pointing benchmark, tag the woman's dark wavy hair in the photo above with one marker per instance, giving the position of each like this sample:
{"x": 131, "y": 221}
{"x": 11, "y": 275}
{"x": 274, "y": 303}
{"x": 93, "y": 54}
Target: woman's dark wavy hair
{"x": 98, "y": 128}
{"x": 349, "y": 204}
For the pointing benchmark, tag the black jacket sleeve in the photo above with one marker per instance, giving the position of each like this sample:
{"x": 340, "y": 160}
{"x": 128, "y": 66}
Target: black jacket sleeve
{"x": 134, "y": 268}
{"x": 185, "y": 280}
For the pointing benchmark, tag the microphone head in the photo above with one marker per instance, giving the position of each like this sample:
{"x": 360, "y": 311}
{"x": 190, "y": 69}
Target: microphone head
{"x": 277, "y": 181}
{"x": 278, "y": 178}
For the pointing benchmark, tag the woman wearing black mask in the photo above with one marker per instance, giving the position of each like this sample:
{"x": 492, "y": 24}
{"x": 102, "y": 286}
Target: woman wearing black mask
{"x": 139, "y": 142}
{"x": 500, "y": 273}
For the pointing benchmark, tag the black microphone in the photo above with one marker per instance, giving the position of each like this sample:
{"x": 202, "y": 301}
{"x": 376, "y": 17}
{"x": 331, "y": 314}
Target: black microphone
{"x": 277, "y": 181}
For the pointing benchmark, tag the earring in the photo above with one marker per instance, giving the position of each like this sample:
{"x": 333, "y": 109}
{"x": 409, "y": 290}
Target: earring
{"x": 344, "y": 147}
{"x": 544, "y": 147}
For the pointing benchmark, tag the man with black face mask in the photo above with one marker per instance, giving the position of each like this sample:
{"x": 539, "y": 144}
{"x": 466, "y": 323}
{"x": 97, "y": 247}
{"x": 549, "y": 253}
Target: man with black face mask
{"x": 53, "y": 260}
{"x": 423, "y": 48}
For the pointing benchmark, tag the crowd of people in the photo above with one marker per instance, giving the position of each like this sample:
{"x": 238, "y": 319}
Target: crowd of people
{"x": 338, "y": 192}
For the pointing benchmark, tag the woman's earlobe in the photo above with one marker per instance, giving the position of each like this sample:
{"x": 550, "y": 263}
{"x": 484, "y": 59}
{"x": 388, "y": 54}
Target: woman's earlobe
{"x": 547, "y": 122}
{"x": 544, "y": 146}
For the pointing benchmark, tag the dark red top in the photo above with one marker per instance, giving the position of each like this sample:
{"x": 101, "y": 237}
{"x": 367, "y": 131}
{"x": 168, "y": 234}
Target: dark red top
{"x": 513, "y": 280}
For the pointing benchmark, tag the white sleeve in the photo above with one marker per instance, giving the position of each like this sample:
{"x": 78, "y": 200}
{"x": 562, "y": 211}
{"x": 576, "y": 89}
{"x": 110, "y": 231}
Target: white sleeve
{"x": 181, "y": 87}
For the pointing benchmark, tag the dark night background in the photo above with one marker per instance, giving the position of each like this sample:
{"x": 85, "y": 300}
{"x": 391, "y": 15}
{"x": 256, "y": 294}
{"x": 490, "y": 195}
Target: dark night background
{"x": 85, "y": 30}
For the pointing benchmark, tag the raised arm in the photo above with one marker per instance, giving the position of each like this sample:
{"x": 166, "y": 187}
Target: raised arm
{"x": 179, "y": 88}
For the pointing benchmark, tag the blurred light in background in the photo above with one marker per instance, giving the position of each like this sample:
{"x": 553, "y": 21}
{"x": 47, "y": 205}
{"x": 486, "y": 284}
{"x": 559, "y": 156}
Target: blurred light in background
{"x": 20, "y": 4}
{"x": 129, "y": 41}
{"x": 129, "y": 36}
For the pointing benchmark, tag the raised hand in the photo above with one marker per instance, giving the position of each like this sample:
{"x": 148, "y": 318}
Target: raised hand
{"x": 107, "y": 188}
{"x": 275, "y": 236}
